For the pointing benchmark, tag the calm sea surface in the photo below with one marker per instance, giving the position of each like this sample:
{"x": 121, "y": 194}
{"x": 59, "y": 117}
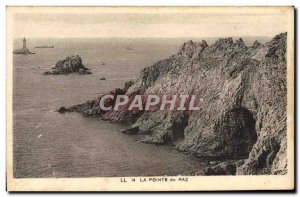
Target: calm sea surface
{"x": 49, "y": 144}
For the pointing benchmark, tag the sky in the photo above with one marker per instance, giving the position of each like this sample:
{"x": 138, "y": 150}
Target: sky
{"x": 153, "y": 23}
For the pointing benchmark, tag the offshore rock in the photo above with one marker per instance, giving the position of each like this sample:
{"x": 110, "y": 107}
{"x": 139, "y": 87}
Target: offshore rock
{"x": 243, "y": 97}
{"x": 69, "y": 65}
{"x": 62, "y": 110}
{"x": 131, "y": 131}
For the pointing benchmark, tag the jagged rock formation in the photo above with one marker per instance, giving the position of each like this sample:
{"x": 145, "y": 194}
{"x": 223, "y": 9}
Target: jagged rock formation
{"x": 23, "y": 51}
{"x": 69, "y": 65}
{"x": 243, "y": 97}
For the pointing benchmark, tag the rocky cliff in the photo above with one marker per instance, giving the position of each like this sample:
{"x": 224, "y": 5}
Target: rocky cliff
{"x": 69, "y": 65}
{"x": 243, "y": 96}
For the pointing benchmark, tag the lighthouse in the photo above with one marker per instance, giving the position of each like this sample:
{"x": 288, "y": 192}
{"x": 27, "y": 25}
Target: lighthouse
{"x": 23, "y": 50}
{"x": 24, "y": 44}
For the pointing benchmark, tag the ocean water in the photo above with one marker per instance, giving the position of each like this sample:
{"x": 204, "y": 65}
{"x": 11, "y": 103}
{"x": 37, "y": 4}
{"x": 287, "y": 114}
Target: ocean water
{"x": 49, "y": 144}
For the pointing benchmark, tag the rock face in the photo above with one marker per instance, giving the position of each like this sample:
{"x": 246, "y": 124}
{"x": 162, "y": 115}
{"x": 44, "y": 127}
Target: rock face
{"x": 243, "y": 97}
{"x": 223, "y": 168}
{"x": 69, "y": 65}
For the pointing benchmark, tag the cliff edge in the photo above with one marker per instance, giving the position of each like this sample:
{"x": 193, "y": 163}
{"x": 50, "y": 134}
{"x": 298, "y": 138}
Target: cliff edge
{"x": 243, "y": 98}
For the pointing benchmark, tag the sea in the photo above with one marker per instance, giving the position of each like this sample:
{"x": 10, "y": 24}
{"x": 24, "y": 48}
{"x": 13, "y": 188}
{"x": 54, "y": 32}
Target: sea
{"x": 48, "y": 144}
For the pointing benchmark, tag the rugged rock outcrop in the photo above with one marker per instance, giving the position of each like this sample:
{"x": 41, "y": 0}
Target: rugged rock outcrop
{"x": 69, "y": 65}
{"x": 243, "y": 97}
{"x": 222, "y": 168}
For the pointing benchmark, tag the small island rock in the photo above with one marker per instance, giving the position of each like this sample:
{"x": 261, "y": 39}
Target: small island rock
{"x": 69, "y": 65}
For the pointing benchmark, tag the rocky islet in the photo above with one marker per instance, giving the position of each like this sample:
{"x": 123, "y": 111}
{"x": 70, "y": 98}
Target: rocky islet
{"x": 72, "y": 64}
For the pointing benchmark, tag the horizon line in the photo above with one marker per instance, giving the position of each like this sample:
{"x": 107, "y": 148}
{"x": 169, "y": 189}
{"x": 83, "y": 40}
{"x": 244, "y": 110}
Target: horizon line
{"x": 147, "y": 37}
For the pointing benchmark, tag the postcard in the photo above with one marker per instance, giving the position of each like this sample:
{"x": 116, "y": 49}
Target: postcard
{"x": 150, "y": 98}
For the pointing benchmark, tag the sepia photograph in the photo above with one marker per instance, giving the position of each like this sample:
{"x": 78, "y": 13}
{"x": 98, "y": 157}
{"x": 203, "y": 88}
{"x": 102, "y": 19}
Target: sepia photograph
{"x": 150, "y": 98}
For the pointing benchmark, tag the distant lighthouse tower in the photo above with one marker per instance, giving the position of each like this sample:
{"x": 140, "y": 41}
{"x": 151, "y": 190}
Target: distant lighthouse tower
{"x": 24, "y": 44}
{"x": 23, "y": 50}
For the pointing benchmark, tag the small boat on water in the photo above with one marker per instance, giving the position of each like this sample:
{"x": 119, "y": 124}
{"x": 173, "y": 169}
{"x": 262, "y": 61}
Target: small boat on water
{"x": 44, "y": 46}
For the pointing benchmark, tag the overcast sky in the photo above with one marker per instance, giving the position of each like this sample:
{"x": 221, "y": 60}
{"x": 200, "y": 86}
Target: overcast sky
{"x": 150, "y": 24}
